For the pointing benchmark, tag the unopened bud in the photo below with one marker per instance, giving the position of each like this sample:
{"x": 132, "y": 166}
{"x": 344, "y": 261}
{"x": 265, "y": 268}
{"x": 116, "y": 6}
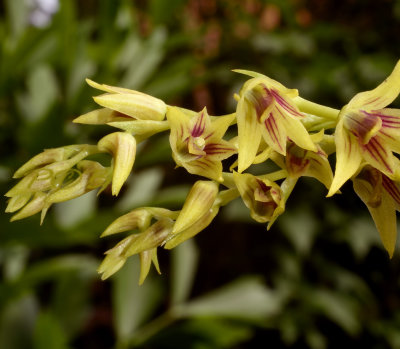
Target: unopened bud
{"x": 122, "y": 146}
{"x": 34, "y": 206}
{"x": 138, "y": 106}
{"x": 198, "y": 202}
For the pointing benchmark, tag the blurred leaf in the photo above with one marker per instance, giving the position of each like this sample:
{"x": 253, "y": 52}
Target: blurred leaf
{"x": 72, "y": 212}
{"x": 165, "y": 11}
{"x": 42, "y": 93}
{"x": 184, "y": 260}
{"x": 247, "y": 298}
{"x": 300, "y": 228}
{"x": 53, "y": 267}
{"x": 202, "y": 333}
{"x": 338, "y": 308}
{"x": 14, "y": 261}
{"x": 48, "y": 333}
{"x": 17, "y": 323}
{"x": 17, "y": 11}
{"x": 370, "y": 236}
{"x": 146, "y": 61}
{"x": 133, "y": 304}
{"x": 72, "y": 309}
{"x": 142, "y": 187}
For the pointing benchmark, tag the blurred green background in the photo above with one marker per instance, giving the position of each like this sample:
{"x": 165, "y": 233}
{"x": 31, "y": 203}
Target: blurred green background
{"x": 318, "y": 279}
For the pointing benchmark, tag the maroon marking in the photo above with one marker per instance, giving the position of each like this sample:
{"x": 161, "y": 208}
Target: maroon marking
{"x": 269, "y": 124}
{"x": 391, "y": 188}
{"x": 199, "y": 126}
{"x": 284, "y": 104}
{"x": 374, "y": 144}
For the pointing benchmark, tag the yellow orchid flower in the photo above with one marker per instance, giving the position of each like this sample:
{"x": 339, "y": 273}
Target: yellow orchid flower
{"x": 300, "y": 162}
{"x": 369, "y": 132}
{"x": 381, "y": 195}
{"x": 264, "y": 198}
{"x": 197, "y": 143}
{"x": 265, "y": 110}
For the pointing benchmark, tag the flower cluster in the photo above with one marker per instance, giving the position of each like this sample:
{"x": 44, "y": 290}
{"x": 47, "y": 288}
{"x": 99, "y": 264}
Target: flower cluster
{"x": 271, "y": 123}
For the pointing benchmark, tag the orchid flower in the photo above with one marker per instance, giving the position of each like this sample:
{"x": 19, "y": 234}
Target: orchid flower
{"x": 381, "y": 195}
{"x": 197, "y": 144}
{"x": 265, "y": 110}
{"x": 263, "y": 197}
{"x": 369, "y": 132}
{"x": 300, "y": 162}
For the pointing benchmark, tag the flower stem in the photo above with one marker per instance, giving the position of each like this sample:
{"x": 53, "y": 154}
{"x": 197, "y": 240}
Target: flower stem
{"x": 316, "y": 109}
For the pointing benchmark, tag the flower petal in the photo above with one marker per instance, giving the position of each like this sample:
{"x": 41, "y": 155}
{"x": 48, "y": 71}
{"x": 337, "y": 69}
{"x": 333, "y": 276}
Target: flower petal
{"x": 390, "y": 130}
{"x": 218, "y": 126}
{"x": 219, "y": 150}
{"x": 122, "y": 146}
{"x": 377, "y": 155}
{"x": 199, "y": 123}
{"x": 206, "y": 167}
{"x": 319, "y": 168}
{"x": 274, "y": 133}
{"x": 100, "y": 117}
{"x": 383, "y": 214}
{"x": 249, "y": 132}
{"x": 348, "y": 157}
{"x": 296, "y": 131}
{"x": 380, "y": 96}
{"x": 142, "y": 107}
{"x": 111, "y": 89}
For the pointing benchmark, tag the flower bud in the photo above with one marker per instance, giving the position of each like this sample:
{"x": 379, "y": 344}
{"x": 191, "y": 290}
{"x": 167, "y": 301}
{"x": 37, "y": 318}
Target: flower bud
{"x": 17, "y": 202}
{"x": 122, "y": 146}
{"x": 138, "y": 106}
{"x": 198, "y": 203}
{"x": 100, "y": 117}
{"x": 34, "y": 206}
{"x": 174, "y": 240}
{"x": 146, "y": 257}
{"x": 47, "y": 157}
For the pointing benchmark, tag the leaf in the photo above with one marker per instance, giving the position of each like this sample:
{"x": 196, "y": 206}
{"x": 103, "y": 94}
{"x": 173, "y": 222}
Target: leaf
{"x": 72, "y": 212}
{"x": 48, "y": 333}
{"x": 17, "y": 321}
{"x": 17, "y": 12}
{"x": 133, "y": 304}
{"x": 246, "y": 298}
{"x": 183, "y": 268}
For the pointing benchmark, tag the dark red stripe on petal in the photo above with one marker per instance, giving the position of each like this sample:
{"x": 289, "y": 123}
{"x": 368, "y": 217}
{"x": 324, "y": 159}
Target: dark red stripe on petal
{"x": 284, "y": 104}
{"x": 199, "y": 126}
{"x": 215, "y": 148}
{"x": 391, "y": 188}
{"x": 376, "y": 150}
{"x": 273, "y": 130}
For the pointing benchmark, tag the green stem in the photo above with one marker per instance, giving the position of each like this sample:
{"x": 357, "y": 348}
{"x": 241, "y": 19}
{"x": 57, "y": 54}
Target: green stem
{"x": 316, "y": 109}
{"x": 274, "y": 176}
{"x": 226, "y": 196}
{"x": 287, "y": 186}
{"x": 152, "y": 328}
